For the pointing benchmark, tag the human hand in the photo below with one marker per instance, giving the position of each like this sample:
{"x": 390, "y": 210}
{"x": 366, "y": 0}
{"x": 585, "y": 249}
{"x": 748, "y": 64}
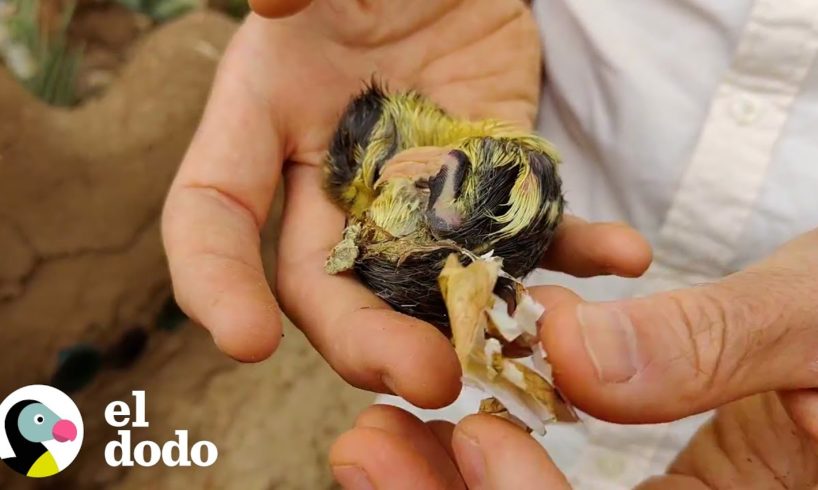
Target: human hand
{"x": 674, "y": 354}
{"x": 695, "y": 349}
{"x": 390, "y": 449}
{"x": 750, "y": 444}
{"x": 279, "y": 92}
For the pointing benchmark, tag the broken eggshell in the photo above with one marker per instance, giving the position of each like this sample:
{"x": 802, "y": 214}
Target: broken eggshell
{"x": 483, "y": 327}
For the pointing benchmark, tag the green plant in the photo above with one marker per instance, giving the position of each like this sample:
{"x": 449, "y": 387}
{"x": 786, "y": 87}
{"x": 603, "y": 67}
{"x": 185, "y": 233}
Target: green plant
{"x": 161, "y": 10}
{"x": 55, "y": 63}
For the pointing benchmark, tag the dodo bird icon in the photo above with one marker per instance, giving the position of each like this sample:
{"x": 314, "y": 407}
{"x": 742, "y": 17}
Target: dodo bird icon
{"x": 43, "y": 431}
{"x": 28, "y": 425}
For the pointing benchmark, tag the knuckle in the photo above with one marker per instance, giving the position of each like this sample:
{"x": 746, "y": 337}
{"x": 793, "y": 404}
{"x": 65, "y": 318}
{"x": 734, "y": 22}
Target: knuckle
{"x": 728, "y": 326}
{"x": 702, "y": 322}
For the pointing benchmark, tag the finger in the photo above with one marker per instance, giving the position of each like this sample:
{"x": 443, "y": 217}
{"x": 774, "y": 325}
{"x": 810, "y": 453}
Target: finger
{"x": 683, "y": 352}
{"x": 802, "y": 407}
{"x": 213, "y": 212}
{"x": 369, "y": 458}
{"x": 495, "y": 454}
{"x": 370, "y": 345}
{"x": 585, "y": 249}
{"x": 751, "y": 443}
{"x": 553, "y": 298}
{"x": 278, "y": 8}
{"x": 419, "y": 436}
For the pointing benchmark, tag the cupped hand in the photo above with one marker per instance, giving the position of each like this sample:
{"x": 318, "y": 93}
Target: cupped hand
{"x": 750, "y": 444}
{"x": 278, "y": 94}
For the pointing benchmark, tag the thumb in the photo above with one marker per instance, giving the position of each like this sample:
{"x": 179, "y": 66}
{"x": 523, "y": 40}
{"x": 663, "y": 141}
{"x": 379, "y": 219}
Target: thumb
{"x": 674, "y": 354}
{"x": 278, "y": 8}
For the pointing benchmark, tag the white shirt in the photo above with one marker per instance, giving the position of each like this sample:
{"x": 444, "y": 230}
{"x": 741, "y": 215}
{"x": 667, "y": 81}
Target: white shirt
{"x": 696, "y": 121}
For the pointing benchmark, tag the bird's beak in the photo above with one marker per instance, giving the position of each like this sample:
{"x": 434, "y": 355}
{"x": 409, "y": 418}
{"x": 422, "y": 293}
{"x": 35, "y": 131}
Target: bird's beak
{"x": 64, "y": 430}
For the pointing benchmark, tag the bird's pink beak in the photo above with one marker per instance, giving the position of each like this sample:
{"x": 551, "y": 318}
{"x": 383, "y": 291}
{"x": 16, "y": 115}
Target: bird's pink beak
{"x": 64, "y": 430}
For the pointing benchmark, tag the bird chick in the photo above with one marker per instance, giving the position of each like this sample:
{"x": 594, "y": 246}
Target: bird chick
{"x": 418, "y": 184}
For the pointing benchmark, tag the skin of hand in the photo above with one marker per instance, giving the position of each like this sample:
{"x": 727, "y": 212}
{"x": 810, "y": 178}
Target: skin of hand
{"x": 278, "y": 94}
{"x": 752, "y": 443}
{"x": 678, "y": 353}
{"x": 390, "y": 449}
{"x": 749, "y": 444}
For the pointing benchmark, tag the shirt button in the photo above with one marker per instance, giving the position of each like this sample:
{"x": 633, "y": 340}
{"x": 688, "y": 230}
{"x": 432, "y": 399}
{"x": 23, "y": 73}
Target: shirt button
{"x": 745, "y": 109}
{"x": 611, "y": 465}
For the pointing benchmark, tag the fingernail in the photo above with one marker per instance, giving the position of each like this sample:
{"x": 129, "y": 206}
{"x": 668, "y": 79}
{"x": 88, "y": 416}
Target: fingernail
{"x": 352, "y": 478}
{"x": 610, "y": 341}
{"x": 470, "y": 460}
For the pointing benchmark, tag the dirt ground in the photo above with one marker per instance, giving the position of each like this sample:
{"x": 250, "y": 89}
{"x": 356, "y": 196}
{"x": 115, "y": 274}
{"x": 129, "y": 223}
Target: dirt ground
{"x": 80, "y": 195}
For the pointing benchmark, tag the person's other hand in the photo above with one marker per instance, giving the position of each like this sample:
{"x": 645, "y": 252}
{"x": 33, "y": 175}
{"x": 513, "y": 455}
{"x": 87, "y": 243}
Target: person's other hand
{"x": 750, "y": 444}
{"x": 390, "y": 449}
{"x": 674, "y": 354}
{"x": 279, "y": 92}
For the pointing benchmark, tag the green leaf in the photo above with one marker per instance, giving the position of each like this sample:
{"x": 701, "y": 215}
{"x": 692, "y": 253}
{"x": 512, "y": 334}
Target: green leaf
{"x": 168, "y": 9}
{"x": 57, "y": 63}
{"x": 161, "y": 10}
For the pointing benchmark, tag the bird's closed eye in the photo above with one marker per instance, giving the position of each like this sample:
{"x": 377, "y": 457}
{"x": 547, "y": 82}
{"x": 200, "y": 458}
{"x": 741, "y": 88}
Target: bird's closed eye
{"x": 462, "y": 171}
{"x": 444, "y": 189}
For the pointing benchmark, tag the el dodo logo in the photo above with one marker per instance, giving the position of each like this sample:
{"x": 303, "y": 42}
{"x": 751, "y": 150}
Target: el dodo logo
{"x": 178, "y": 452}
{"x": 42, "y": 431}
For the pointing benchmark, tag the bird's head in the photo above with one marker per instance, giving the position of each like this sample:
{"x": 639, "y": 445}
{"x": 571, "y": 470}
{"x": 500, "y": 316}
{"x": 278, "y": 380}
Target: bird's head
{"x": 37, "y": 423}
{"x": 483, "y": 189}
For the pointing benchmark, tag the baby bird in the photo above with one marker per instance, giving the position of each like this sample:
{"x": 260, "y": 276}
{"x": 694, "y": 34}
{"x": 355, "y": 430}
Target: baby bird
{"x": 418, "y": 184}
